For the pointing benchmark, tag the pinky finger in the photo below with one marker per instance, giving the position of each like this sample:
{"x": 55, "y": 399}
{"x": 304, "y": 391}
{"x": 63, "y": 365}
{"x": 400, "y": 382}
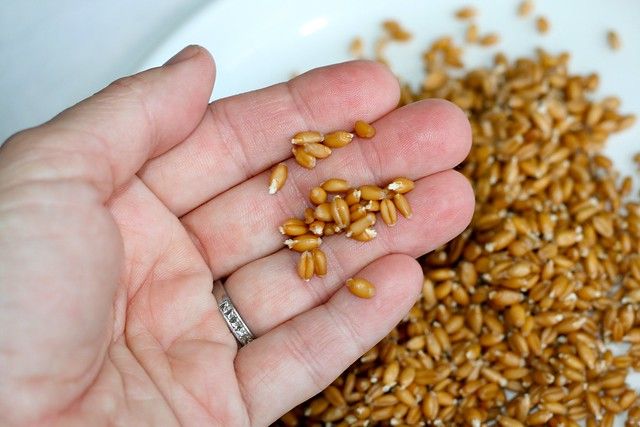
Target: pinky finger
{"x": 301, "y": 357}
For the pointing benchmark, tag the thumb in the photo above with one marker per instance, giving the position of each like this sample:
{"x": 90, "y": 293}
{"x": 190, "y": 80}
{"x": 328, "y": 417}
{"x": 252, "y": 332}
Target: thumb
{"x": 106, "y": 138}
{"x": 61, "y": 252}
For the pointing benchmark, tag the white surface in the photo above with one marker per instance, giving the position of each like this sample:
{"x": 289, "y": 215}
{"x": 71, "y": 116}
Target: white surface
{"x": 257, "y": 43}
{"x": 260, "y": 43}
{"x": 57, "y": 52}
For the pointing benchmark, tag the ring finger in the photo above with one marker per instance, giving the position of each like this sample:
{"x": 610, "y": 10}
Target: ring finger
{"x": 268, "y": 291}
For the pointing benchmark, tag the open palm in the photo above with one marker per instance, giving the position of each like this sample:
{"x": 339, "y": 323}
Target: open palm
{"x": 117, "y": 215}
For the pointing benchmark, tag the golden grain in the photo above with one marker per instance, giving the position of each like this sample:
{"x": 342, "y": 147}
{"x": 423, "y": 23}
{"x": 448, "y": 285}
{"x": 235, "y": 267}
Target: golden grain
{"x": 613, "y": 40}
{"x": 360, "y": 287}
{"x": 395, "y": 31}
{"x": 391, "y": 373}
{"x": 357, "y": 211}
{"x": 401, "y": 185}
{"x": 384, "y": 401}
{"x": 317, "y": 150}
{"x": 406, "y": 397}
{"x": 388, "y": 212}
{"x": 525, "y": 8}
{"x": 303, "y": 158}
{"x": 607, "y": 419}
{"x": 337, "y": 139}
{"x": 306, "y": 137}
{"x": 407, "y": 376}
{"x": 323, "y": 212}
{"x": 430, "y": 406}
{"x": 278, "y": 178}
{"x": 289, "y": 419}
{"x": 319, "y": 262}
{"x": 305, "y": 242}
{"x": 309, "y": 215}
{"x": 334, "y": 414}
{"x": 382, "y": 414}
{"x": 361, "y": 224}
{"x": 542, "y": 24}
{"x": 372, "y": 206}
{"x": 515, "y": 314}
{"x": 352, "y": 196}
{"x": 293, "y": 227}
{"x": 466, "y": 12}
{"x": 489, "y": 39}
{"x": 335, "y": 185}
{"x": 334, "y": 396}
{"x": 330, "y": 229}
{"x": 317, "y": 195}
{"x": 471, "y": 36}
{"x": 415, "y": 343}
{"x": 627, "y": 399}
{"x": 372, "y": 192}
{"x": 434, "y": 80}
{"x": 505, "y": 297}
{"x": 340, "y": 212}
{"x": 364, "y": 129}
{"x": 356, "y": 48}
{"x": 316, "y": 407}
{"x": 610, "y": 404}
{"x": 402, "y": 204}
{"x": 509, "y": 422}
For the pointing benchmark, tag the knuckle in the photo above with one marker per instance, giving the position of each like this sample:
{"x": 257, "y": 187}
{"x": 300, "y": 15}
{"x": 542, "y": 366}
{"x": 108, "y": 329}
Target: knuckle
{"x": 19, "y": 139}
{"x": 128, "y": 85}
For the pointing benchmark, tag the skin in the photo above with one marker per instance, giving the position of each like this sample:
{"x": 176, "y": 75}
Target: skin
{"x": 117, "y": 215}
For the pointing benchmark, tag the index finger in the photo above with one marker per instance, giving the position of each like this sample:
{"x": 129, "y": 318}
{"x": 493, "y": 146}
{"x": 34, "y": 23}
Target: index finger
{"x": 245, "y": 134}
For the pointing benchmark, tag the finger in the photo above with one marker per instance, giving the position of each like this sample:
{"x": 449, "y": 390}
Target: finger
{"x": 301, "y": 357}
{"x": 106, "y": 138}
{"x": 241, "y": 224}
{"x": 246, "y": 134}
{"x": 442, "y": 208}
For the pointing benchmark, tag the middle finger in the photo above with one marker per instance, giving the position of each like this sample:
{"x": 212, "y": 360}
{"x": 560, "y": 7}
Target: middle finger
{"x": 241, "y": 225}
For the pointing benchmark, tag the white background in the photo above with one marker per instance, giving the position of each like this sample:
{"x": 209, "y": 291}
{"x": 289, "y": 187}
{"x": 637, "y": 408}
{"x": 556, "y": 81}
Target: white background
{"x": 55, "y": 52}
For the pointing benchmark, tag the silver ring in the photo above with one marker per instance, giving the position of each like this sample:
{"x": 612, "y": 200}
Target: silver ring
{"x": 238, "y": 327}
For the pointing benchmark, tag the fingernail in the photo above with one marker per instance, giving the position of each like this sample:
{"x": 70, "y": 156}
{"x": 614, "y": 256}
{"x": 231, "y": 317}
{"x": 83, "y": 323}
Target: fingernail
{"x": 186, "y": 53}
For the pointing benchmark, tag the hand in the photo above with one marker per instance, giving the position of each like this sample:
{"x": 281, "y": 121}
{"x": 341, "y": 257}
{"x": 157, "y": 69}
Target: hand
{"x": 117, "y": 215}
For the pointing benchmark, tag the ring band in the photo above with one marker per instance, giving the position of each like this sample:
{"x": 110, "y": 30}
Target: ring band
{"x": 238, "y": 327}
